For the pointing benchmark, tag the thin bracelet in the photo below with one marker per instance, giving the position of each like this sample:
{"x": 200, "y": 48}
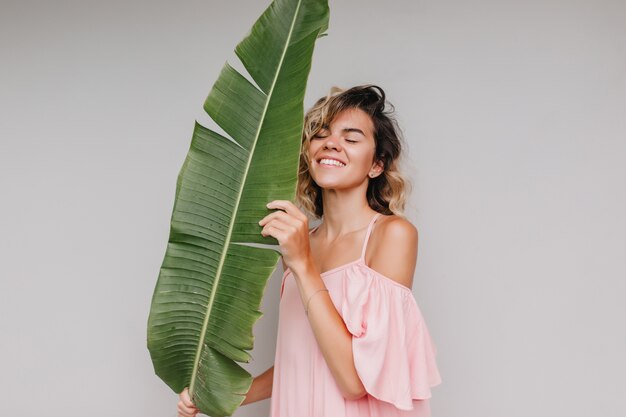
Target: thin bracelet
{"x": 306, "y": 309}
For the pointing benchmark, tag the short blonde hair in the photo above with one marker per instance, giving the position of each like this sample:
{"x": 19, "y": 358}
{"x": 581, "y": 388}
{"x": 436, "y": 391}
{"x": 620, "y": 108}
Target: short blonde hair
{"x": 387, "y": 192}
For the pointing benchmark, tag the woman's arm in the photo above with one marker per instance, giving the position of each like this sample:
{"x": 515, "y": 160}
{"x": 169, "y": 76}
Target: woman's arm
{"x": 261, "y": 387}
{"x": 333, "y": 338}
{"x": 395, "y": 258}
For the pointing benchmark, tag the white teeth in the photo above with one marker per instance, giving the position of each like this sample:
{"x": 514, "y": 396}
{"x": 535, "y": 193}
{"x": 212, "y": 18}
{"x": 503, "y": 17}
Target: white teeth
{"x": 332, "y": 162}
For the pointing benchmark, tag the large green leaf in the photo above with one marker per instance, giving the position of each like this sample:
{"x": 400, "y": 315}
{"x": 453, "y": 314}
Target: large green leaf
{"x": 211, "y": 283}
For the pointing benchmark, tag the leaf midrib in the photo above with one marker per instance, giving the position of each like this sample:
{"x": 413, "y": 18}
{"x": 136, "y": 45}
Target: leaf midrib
{"x": 230, "y": 226}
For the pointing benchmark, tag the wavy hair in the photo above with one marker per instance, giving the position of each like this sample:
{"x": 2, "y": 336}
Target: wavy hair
{"x": 387, "y": 192}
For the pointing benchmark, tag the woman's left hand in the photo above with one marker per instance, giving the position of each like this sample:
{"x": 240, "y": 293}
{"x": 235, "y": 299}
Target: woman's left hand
{"x": 290, "y": 226}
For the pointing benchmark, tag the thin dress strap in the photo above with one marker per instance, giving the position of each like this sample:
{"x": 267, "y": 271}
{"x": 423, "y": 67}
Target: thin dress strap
{"x": 367, "y": 235}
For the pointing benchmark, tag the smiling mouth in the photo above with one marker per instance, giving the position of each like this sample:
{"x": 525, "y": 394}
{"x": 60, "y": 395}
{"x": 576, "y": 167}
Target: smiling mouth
{"x": 330, "y": 163}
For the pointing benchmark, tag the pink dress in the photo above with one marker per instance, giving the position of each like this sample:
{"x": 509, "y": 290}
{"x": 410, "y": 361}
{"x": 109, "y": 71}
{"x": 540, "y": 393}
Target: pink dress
{"x": 393, "y": 352}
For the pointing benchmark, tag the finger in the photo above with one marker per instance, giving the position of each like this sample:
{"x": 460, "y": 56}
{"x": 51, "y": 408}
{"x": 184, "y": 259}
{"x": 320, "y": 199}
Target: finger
{"x": 185, "y": 398}
{"x": 186, "y": 408}
{"x": 287, "y": 224}
{"x": 284, "y": 218}
{"x": 271, "y": 230}
{"x": 288, "y": 207}
{"x": 187, "y": 411}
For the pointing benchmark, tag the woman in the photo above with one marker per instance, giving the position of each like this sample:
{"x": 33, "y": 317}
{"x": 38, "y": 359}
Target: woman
{"x": 351, "y": 338}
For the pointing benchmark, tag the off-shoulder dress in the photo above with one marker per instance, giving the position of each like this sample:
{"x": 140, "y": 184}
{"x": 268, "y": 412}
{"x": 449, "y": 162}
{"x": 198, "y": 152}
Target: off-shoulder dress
{"x": 394, "y": 354}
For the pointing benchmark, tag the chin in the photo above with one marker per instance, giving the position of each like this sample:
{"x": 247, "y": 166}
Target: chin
{"x": 333, "y": 185}
{"x": 327, "y": 184}
{"x": 330, "y": 180}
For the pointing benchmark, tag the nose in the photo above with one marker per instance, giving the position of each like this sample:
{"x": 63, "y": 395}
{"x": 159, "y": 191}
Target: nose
{"x": 331, "y": 143}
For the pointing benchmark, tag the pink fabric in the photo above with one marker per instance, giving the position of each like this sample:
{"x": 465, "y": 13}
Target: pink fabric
{"x": 393, "y": 352}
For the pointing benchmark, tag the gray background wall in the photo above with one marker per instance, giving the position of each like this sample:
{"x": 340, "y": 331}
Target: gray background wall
{"x": 514, "y": 116}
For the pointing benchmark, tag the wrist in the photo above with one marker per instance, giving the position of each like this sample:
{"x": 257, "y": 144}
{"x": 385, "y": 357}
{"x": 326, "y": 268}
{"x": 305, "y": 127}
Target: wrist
{"x": 250, "y": 393}
{"x": 304, "y": 268}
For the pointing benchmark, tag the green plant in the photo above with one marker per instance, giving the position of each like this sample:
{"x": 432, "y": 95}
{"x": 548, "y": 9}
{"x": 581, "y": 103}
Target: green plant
{"x": 211, "y": 282}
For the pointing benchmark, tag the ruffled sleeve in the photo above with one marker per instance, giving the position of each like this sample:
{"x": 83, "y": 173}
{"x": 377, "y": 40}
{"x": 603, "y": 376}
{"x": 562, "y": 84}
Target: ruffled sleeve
{"x": 393, "y": 352}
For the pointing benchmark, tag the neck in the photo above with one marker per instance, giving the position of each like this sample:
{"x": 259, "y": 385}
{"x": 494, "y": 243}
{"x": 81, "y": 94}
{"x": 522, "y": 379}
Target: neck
{"x": 345, "y": 211}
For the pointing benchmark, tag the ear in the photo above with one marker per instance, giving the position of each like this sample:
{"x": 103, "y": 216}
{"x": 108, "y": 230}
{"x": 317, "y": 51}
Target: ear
{"x": 377, "y": 168}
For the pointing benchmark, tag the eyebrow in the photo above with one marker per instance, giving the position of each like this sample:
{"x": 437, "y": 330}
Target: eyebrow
{"x": 353, "y": 129}
{"x": 346, "y": 129}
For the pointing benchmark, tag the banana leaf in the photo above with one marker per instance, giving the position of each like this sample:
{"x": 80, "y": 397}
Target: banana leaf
{"x": 211, "y": 281}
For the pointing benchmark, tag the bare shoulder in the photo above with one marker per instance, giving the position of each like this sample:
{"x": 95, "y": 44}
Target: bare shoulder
{"x": 397, "y": 227}
{"x": 394, "y": 254}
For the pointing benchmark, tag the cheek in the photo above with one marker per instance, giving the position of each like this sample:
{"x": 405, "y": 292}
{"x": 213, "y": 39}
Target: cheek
{"x": 364, "y": 159}
{"x": 312, "y": 149}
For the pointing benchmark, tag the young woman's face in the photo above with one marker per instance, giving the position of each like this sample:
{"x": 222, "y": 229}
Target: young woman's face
{"x": 342, "y": 154}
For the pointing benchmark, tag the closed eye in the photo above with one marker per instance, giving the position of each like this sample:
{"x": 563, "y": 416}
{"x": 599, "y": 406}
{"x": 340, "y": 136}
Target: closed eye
{"x": 321, "y": 133}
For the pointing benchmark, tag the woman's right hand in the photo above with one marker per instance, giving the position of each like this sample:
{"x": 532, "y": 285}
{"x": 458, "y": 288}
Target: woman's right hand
{"x": 186, "y": 408}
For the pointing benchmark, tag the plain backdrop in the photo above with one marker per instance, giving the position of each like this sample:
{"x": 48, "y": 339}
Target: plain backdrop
{"x": 514, "y": 114}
